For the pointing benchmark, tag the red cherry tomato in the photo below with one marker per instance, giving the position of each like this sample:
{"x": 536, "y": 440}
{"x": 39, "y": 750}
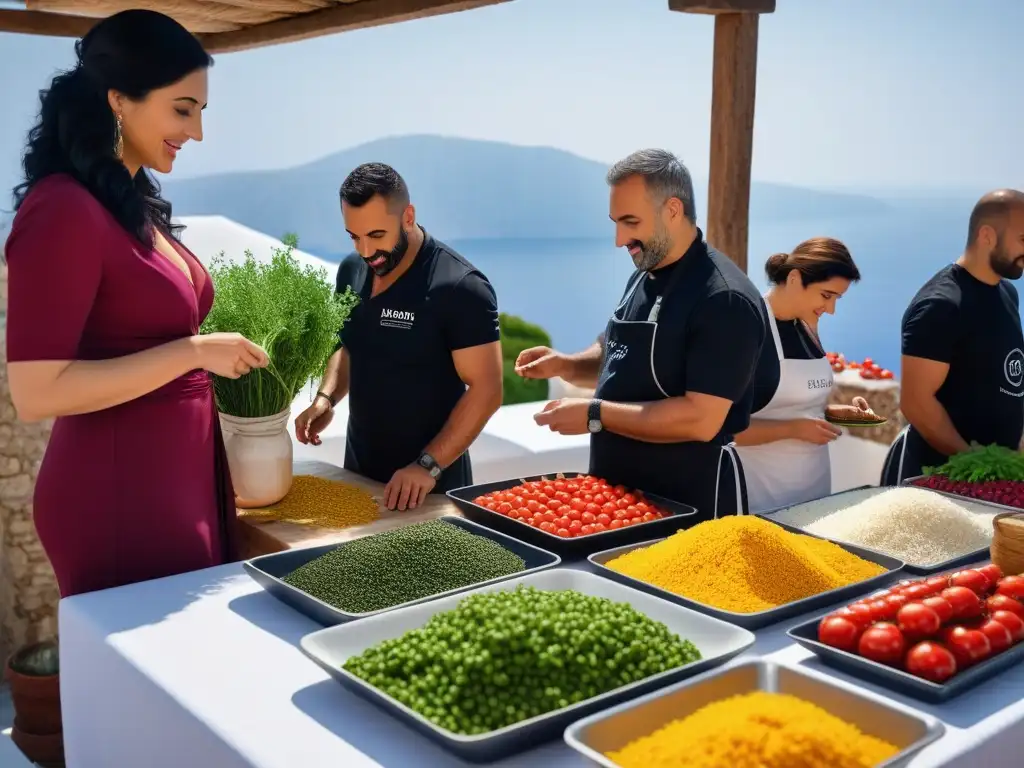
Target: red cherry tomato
{"x": 993, "y": 572}
{"x": 968, "y": 646}
{"x": 885, "y": 374}
{"x": 931, "y": 661}
{"x": 919, "y": 591}
{"x": 1012, "y": 622}
{"x": 999, "y": 637}
{"x": 839, "y": 632}
{"x": 882, "y": 642}
{"x": 937, "y": 583}
{"x": 859, "y": 614}
{"x": 966, "y": 604}
{"x": 897, "y": 601}
{"x": 1004, "y": 603}
{"x": 917, "y": 620}
{"x": 1011, "y": 586}
{"x": 941, "y": 606}
{"x": 976, "y": 581}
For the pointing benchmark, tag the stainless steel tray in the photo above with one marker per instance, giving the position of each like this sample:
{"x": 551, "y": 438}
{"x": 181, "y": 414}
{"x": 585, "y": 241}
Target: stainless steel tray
{"x": 613, "y": 729}
{"x": 269, "y": 570}
{"x": 806, "y": 634}
{"x": 681, "y": 516}
{"x": 918, "y": 570}
{"x": 762, "y": 618}
{"x": 330, "y": 648}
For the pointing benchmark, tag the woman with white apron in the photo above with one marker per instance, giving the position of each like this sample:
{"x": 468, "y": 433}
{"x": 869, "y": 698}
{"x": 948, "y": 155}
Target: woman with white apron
{"x": 785, "y": 450}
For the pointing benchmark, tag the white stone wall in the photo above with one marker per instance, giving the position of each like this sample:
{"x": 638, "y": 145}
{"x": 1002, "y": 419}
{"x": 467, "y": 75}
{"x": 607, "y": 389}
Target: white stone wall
{"x": 28, "y": 590}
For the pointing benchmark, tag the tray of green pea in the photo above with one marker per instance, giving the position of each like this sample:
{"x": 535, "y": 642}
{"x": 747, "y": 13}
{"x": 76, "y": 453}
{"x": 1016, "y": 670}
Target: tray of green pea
{"x": 337, "y": 583}
{"x": 499, "y": 669}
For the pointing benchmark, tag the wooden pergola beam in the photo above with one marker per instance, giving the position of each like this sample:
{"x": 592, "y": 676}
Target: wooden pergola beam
{"x": 734, "y": 87}
{"x": 45, "y": 24}
{"x": 338, "y": 18}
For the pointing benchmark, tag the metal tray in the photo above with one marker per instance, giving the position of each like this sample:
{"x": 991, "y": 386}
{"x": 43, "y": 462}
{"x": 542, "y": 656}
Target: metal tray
{"x": 681, "y": 516}
{"x": 330, "y": 648}
{"x": 769, "y": 512}
{"x": 269, "y": 570}
{"x": 761, "y": 618}
{"x": 806, "y": 634}
{"x": 912, "y": 568}
{"x": 613, "y": 729}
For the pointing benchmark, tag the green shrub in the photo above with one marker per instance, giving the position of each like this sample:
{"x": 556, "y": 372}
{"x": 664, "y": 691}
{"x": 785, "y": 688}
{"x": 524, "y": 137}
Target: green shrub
{"x": 291, "y": 311}
{"x": 517, "y": 335}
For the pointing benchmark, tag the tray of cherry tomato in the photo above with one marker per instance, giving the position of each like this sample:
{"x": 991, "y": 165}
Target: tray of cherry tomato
{"x": 571, "y": 513}
{"x": 931, "y": 638}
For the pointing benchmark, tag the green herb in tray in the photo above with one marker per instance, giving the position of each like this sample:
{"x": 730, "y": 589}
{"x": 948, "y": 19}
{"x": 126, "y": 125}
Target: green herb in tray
{"x": 503, "y": 657}
{"x": 388, "y": 569}
{"x": 982, "y": 464}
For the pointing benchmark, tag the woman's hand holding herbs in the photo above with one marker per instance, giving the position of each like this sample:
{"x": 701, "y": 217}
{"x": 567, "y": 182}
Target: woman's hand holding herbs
{"x": 230, "y": 355}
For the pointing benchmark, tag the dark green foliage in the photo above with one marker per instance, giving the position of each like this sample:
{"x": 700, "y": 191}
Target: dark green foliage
{"x": 409, "y": 563}
{"x": 291, "y": 311}
{"x": 517, "y": 335}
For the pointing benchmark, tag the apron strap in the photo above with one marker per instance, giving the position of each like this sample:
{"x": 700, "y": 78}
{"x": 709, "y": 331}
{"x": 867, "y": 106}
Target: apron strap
{"x": 652, "y": 316}
{"x": 773, "y": 326}
{"x": 730, "y": 451}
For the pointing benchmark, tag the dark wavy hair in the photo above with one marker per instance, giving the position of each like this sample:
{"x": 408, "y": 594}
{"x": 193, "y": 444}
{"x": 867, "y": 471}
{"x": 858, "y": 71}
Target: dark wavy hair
{"x": 133, "y": 52}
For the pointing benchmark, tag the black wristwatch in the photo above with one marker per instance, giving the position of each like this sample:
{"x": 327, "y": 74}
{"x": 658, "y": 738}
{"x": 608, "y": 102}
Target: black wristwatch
{"x": 430, "y": 464}
{"x": 594, "y": 424}
{"x": 325, "y": 396}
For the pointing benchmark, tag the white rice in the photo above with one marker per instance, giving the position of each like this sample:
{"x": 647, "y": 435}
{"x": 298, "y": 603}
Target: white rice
{"x": 916, "y": 525}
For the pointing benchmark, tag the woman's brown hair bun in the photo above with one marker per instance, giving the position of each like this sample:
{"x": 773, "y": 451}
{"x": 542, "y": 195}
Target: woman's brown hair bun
{"x": 817, "y": 260}
{"x": 775, "y": 268}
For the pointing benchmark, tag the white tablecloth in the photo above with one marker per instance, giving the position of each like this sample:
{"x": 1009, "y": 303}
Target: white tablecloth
{"x": 203, "y": 670}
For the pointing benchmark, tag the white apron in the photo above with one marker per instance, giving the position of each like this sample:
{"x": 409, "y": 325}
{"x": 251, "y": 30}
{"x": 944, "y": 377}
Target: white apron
{"x": 789, "y": 472}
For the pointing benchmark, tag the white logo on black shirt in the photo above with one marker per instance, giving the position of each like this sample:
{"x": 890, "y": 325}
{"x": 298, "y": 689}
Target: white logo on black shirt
{"x": 396, "y": 318}
{"x": 1013, "y": 370}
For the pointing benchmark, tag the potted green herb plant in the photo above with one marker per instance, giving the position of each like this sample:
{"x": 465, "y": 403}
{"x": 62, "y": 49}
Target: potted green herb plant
{"x": 33, "y": 673}
{"x": 294, "y": 313}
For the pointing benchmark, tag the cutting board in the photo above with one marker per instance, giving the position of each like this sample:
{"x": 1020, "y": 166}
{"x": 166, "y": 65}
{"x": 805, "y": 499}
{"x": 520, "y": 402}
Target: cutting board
{"x": 261, "y": 538}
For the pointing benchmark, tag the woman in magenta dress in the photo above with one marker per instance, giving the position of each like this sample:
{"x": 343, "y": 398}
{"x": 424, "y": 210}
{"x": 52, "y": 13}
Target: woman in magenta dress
{"x": 104, "y": 313}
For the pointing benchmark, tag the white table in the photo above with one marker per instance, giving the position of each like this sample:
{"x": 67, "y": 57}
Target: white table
{"x": 204, "y": 670}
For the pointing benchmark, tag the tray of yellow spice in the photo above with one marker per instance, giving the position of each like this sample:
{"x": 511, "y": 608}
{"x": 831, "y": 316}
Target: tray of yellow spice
{"x": 756, "y": 714}
{"x": 747, "y": 570}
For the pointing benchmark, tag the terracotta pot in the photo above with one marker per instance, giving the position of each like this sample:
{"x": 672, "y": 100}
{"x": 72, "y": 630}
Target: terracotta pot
{"x": 36, "y": 700}
{"x": 260, "y": 458}
{"x": 46, "y": 750}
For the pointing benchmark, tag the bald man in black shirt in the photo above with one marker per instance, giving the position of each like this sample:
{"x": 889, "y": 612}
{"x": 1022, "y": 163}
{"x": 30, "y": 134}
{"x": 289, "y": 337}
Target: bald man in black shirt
{"x": 963, "y": 350}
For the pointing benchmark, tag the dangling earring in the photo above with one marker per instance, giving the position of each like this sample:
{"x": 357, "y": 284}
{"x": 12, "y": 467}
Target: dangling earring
{"x": 119, "y": 143}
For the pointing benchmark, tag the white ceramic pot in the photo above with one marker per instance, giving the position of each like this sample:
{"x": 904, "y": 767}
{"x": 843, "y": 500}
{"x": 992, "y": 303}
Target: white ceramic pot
{"x": 260, "y": 457}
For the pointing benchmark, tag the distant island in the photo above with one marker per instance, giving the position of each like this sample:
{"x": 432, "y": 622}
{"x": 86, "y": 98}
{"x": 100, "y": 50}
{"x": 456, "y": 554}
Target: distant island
{"x": 463, "y": 189}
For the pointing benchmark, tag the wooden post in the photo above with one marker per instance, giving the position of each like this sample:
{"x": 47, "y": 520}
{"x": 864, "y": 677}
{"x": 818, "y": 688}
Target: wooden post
{"x": 732, "y": 133}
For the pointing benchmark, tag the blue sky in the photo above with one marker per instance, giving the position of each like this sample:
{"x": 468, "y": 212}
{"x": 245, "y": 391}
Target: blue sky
{"x": 866, "y": 94}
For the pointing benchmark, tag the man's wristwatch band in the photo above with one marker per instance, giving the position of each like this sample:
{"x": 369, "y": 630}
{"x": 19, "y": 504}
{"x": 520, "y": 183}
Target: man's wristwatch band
{"x": 326, "y": 397}
{"x": 430, "y": 464}
{"x": 594, "y": 424}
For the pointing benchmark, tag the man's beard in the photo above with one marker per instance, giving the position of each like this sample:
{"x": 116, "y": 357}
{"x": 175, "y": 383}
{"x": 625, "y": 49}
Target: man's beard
{"x": 392, "y": 258}
{"x": 1005, "y": 265}
{"x": 652, "y": 252}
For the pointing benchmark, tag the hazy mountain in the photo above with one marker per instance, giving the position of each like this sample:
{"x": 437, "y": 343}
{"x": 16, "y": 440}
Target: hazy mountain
{"x": 462, "y": 189}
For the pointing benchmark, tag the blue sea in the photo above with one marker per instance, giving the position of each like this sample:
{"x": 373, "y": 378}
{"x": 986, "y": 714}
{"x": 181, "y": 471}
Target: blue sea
{"x": 569, "y": 287}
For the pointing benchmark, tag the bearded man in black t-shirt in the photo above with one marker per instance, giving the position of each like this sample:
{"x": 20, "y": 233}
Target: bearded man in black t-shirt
{"x": 963, "y": 352}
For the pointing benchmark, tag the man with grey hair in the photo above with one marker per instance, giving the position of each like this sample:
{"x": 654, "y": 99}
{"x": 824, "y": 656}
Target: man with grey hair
{"x": 673, "y": 370}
